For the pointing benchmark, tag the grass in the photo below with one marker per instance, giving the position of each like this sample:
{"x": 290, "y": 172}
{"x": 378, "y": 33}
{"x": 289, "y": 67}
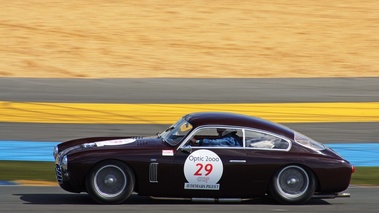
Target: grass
{"x": 45, "y": 171}
{"x": 22, "y": 170}
{"x": 366, "y": 176}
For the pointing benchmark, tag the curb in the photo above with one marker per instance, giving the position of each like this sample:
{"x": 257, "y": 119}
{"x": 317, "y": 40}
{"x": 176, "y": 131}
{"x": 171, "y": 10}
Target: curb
{"x": 28, "y": 183}
{"x": 7, "y": 183}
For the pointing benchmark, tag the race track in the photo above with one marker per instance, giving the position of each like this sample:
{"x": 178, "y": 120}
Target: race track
{"x": 48, "y": 199}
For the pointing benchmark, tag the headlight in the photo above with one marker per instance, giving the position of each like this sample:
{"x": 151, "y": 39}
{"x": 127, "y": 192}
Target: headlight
{"x": 64, "y": 162}
{"x": 55, "y": 152}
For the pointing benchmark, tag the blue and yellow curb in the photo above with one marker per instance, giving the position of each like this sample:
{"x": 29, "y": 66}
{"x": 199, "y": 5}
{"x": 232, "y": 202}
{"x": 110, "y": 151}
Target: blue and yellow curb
{"x": 7, "y": 183}
{"x": 28, "y": 183}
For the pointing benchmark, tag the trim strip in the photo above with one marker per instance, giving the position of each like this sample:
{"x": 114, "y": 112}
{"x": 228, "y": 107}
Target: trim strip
{"x": 237, "y": 161}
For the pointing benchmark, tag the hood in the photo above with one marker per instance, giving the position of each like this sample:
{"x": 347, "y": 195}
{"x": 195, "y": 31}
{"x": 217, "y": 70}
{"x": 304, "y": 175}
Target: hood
{"x": 123, "y": 142}
{"x": 67, "y": 144}
{"x": 109, "y": 143}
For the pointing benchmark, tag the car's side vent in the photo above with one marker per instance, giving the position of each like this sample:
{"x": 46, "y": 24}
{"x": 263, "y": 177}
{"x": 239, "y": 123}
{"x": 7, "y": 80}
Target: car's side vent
{"x": 153, "y": 173}
{"x": 141, "y": 143}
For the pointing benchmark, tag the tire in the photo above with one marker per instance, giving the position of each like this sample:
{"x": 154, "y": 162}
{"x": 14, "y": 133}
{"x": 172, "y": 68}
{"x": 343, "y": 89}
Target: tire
{"x": 110, "y": 182}
{"x": 293, "y": 185}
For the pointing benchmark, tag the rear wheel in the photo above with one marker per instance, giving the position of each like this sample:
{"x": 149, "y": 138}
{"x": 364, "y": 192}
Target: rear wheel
{"x": 293, "y": 185}
{"x": 110, "y": 182}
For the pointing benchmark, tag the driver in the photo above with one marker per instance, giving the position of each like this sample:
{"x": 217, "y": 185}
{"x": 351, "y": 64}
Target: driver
{"x": 227, "y": 137}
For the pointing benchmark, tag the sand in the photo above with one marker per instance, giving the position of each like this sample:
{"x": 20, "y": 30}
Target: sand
{"x": 189, "y": 39}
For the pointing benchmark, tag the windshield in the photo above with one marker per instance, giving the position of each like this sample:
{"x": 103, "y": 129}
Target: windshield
{"x": 175, "y": 133}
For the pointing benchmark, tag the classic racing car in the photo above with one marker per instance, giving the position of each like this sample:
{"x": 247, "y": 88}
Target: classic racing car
{"x": 265, "y": 159}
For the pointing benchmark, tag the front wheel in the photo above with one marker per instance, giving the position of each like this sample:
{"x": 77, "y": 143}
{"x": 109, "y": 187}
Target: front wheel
{"x": 293, "y": 185}
{"x": 110, "y": 182}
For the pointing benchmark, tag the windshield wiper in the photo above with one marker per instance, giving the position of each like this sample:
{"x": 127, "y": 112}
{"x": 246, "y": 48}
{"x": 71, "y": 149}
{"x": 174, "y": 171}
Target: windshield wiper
{"x": 159, "y": 134}
{"x": 169, "y": 129}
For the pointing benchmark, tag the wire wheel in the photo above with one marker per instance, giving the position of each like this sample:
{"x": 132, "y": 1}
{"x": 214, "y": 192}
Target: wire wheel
{"x": 293, "y": 185}
{"x": 110, "y": 182}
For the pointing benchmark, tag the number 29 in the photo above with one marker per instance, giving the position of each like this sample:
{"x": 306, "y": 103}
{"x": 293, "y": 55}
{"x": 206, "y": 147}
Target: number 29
{"x": 208, "y": 169}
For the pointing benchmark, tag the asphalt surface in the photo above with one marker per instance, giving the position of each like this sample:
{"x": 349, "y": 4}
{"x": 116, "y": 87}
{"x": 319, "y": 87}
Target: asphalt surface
{"x": 163, "y": 90}
{"x": 187, "y": 91}
{"x": 54, "y": 199}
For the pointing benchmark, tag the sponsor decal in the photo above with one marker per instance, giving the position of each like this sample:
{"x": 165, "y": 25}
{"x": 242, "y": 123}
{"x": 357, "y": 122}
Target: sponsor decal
{"x": 167, "y": 152}
{"x": 203, "y": 169}
{"x": 115, "y": 142}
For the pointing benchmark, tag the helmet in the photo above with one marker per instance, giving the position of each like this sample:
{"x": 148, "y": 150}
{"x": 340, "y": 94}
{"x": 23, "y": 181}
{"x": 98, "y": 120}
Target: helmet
{"x": 228, "y": 131}
{"x": 220, "y": 131}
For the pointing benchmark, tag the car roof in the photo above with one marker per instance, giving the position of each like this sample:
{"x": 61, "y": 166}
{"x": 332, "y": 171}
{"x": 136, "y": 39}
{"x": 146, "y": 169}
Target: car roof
{"x": 232, "y": 119}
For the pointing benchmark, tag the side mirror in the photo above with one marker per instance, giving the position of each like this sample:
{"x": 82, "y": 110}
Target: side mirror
{"x": 186, "y": 148}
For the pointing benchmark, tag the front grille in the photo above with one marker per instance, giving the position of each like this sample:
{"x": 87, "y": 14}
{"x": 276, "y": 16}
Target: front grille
{"x": 58, "y": 172}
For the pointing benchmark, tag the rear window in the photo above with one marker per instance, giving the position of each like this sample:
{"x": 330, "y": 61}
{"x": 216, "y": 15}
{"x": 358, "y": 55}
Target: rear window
{"x": 308, "y": 142}
{"x": 261, "y": 140}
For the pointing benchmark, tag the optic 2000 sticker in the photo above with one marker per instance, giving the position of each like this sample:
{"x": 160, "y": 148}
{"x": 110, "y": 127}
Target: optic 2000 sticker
{"x": 203, "y": 169}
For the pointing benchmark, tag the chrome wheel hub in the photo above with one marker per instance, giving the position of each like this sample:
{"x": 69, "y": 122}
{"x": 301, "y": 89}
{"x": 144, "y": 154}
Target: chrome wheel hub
{"x": 110, "y": 180}
{"x": 292, "y": 181}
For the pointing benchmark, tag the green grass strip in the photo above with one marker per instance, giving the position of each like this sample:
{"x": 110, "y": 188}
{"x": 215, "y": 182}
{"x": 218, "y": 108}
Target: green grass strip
{"x": 25, "y": 170}
{"x": 366, "y": 176}
{"x": 45, "y": 171}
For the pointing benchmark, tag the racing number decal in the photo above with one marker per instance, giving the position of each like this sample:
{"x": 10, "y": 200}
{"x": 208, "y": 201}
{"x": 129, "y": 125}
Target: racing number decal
{"x": 203, "y": 169}
{"x": 208, "y": 169}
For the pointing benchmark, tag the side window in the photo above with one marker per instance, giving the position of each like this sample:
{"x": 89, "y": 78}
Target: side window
{"x": 207, "y": 132}
{"x": 262, "y": 140}
{"x": 218, "y": 137}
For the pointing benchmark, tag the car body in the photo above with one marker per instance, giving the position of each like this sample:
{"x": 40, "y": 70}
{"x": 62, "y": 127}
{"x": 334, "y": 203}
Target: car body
{"x": 271, "y": 160}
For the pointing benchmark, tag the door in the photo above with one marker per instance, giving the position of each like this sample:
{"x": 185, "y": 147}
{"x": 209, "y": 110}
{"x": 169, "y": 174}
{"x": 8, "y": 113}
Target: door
{"x": 211, "y": 171}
